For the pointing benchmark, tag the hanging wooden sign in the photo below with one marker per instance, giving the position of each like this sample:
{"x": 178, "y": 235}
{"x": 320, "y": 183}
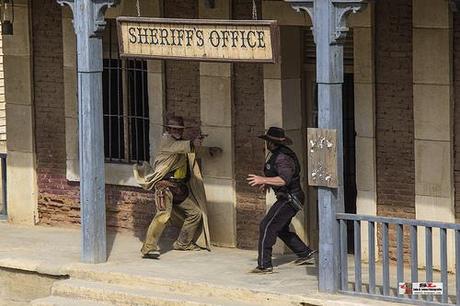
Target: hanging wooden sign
{"x": 322, "y": 157}
{"x": 199, "y": 39}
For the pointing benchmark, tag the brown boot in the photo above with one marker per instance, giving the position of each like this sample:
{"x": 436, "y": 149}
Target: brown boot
{"x": 191, "y": 247}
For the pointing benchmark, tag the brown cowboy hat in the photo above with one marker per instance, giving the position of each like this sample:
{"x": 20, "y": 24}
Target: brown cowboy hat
{"x": 276, "y": 135}
{"x": 175, "y": 122}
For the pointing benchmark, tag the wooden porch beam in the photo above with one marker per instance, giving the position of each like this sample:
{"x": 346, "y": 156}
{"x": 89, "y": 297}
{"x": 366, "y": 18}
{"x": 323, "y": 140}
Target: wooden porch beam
{"x": 89, "y": 24}
{"x": 329, "y": 29}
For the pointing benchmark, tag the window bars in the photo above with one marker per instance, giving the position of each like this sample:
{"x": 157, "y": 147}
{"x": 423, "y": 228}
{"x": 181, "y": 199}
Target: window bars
{"x": 126, "y": 107}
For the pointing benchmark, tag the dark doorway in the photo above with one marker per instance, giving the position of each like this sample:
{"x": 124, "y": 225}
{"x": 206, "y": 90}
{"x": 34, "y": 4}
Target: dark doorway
{"x": 349, "y": 159}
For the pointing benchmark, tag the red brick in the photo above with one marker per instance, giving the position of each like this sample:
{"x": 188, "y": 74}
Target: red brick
{"x": 394, "y": 112}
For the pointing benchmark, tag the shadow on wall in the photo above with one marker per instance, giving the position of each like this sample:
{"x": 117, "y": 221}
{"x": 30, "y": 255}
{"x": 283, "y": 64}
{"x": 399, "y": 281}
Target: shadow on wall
{"x": 130, "y": 210}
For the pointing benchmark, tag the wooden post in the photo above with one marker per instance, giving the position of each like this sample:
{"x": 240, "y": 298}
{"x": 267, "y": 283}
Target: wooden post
{"x": 329, "y": 30}
{"x": 89, "y": 25}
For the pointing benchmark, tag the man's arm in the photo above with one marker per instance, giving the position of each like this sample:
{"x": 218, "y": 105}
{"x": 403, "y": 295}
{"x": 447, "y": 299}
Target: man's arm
{"x": 171, "y": 145}
{"x": 256, "y": 180}
{"x": 201, "y": 150}
{"x": 285, "y": 168}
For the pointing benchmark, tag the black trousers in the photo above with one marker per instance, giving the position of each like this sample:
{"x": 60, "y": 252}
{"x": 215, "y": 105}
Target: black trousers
{"x": 276, "y": 224}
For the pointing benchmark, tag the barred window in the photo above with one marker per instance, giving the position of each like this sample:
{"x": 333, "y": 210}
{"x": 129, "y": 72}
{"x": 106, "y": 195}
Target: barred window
{"x": 125, "y": 104}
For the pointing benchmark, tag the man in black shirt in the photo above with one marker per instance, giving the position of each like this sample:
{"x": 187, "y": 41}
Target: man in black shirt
{"x": 282, "y": 174}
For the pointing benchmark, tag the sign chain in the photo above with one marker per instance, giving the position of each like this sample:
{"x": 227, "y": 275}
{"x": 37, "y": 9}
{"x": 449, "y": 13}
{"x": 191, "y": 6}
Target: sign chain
{"x": 138, "y": 7}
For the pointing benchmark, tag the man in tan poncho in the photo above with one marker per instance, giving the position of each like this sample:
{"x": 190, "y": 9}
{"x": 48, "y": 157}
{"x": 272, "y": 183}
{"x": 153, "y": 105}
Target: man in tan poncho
{"x": 179, "y": 192}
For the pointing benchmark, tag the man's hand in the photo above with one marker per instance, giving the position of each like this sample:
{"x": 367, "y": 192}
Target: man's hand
{"x": 215, "y": 151}
{"x": 255, "y": 180}
{"x": 263, "y": 188}
{"x": 197, "y": 142}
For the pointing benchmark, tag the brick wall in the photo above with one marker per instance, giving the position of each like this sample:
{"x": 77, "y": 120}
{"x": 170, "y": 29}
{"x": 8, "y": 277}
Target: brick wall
{"x": 456, "y": 35}
{"x": 248, "y": 120}
{"x": 58, "y": 201}
{"x": 394, "y": 112}
{"x": 183, "y": 77}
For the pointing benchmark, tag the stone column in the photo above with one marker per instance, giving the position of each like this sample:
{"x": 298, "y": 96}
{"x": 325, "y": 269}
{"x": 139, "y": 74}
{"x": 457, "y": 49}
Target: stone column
{"x": 283, "y": 106}
{"x": 216, "y": 120}
{"x": 329, "y": 29}
{"x": 21, "y": 165}
{"x": 89, "y": 25}
{"x": 364, "y": 85}
{"x": 433, "y": 113}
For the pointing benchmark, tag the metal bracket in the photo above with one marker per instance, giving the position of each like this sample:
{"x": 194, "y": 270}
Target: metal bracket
{"x": 95, "y": 22}
{"x": 307, "y": 6}
{"x": 340, "y": 9}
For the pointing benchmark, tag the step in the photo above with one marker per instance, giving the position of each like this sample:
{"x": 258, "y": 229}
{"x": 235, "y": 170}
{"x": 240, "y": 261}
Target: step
{"x": 197, "y": 289}
{"x": 63, "y": 301}
{"x": 130, "y": 295}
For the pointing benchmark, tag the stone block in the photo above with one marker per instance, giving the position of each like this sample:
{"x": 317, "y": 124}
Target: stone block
{"x": 155, "y": 66}
{"x": 365, "y": 164}
{"x": 115, "y": 174}
{"x": 20, "y": 131}
{"x": 69, "y": 40}
{"x": 19, "y": 43}
{"x": 432, "y": 112}
{"x": 433, "y": 168}
{"x": 292, "y": 104}
{"x": 363, "y": 55}
{"x": 155, "y": 133}
{"x": 22, "y": 188}
{"x": 67, "y": 12}
{"x": 72, "y": 170}
{"x": 365, "y": 109}
{"x": 222, "y": 10}
{"x": 120, "y": 174}
{"x": 291, "y": 57}
{"x": 216, "y": 70}
{"x": 221, "y": 200}
{"x": 216, "y": 97}
{"x": 18, "y": 79}
{"x": 366, "y": 204}
{"x": 284, "y": 14}
{"x": 291, "y": 52}
{"x": 272, "y": 71}
{"x": 431, "y": 14}
{"x": 220, "y": 166}
{"x": 71, "y": 140}
{"x": 435, "y": 209}
{"x": 156, "y": 94}
{"x": 431, "y": 56}
{"x": 362, "y": 19}
{"x": 70, "y": 92}
{"x": 3, "y": 146}
{"x": 273, "y": 102}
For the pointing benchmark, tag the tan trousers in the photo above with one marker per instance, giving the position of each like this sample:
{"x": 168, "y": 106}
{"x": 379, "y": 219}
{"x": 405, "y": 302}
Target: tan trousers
{"x": 188, "y": 211}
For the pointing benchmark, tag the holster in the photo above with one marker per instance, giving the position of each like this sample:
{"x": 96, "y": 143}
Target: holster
{"x": 178, "y": 190}
{"x": 160, "y": 188}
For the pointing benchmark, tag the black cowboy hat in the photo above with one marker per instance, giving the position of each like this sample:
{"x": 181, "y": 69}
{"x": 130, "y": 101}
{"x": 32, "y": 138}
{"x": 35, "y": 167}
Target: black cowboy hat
{"x": 276, "y": 135}
{"x": 175, "y": 122}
